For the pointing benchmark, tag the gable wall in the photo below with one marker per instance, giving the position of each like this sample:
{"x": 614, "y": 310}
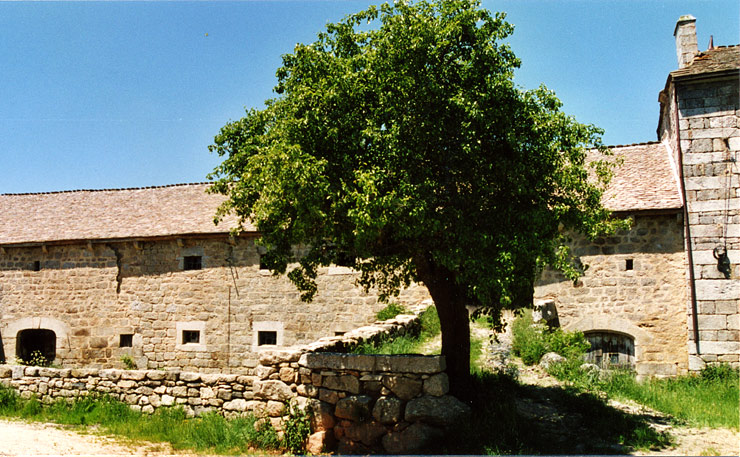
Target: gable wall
{"x": 647, "y": 303}
{"x": 91, "y": 296}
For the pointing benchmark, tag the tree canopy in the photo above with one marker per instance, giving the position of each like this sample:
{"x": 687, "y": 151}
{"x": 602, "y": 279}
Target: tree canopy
{"x": 398, "y": 144}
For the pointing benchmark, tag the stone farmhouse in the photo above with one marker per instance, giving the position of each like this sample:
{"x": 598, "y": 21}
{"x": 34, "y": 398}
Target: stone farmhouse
{"x": 89, "y": 276}
{"x": 664, "y": 296}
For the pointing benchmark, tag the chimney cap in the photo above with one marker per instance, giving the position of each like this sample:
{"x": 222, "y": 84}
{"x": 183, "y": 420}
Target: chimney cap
{"x": 682, "y": 20}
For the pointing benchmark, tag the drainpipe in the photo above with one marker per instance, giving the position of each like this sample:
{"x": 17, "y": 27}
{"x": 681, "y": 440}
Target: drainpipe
{"x": 687, "y": 226}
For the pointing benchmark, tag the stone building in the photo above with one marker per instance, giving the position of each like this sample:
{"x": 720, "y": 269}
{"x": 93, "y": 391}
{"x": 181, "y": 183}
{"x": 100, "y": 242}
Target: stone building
{"x": 88, "y": 276}
{"x": 664, "y": 296}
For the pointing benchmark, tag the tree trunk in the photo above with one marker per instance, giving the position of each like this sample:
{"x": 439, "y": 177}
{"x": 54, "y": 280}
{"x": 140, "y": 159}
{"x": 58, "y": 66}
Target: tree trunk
{"x": 455, "y": 324}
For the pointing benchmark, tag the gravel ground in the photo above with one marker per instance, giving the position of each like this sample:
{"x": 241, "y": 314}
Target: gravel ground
{"x": 37, "y": 439}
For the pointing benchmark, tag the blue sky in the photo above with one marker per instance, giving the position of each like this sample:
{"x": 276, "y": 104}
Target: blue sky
{"x": 127, "y": 94}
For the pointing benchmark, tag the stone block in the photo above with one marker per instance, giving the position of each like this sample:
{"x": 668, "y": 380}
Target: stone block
{"x": 274, "y": 357}
{"x": 155, "y": 375}
{"x": 272, "y": 390}
{"x": 135, "y": 375}
{"x": 437, "y": 385}
{"x": 320, "y": 442}
{"x": 405, "y": 388}
{"x": 412, "y": 439}
{"x": 442, "y": 411}
{"x": 307, "y": 390}
{"x": 274, "y": 408}
{"x": 189, "y": 377}
{"x": 388, "y": 410}
{"x": 238, "y": 404}
{"x": 322, "y": 414}
{"x": 356, "y": 408}
{"x": 5, "y": 371}
{"x": 365, "y": 432}
{"x": 417, "y": 364}
{"x": 346, "y": 383}
{"x": 328, "y": 396}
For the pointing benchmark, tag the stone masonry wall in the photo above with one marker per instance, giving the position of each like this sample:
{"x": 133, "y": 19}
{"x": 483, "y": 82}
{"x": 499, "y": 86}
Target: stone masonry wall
{"x": 646, "y": 302}
{"x": 91, "y": 294}
{"x": 358, "y": 403}
{"x": 709, "y": 122}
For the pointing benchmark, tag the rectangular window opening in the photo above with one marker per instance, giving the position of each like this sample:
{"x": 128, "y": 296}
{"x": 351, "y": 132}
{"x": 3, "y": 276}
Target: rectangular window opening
{"x": 266, "y": 338}
{"x": 263, "y": 266}
{"x": 339, "y": 333}
{"x": 191, "y": 337}
{"x": 126, "y": 340}
{"x": 629, "y": 264}
{"x": 36, "y": 265}
{"x": 192, "y": 262}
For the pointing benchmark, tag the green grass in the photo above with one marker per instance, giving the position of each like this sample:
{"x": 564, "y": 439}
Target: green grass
{"x": 406, "y": 344}
{"x": 391, "y": 311}
{"x": 701, "y": 400}
{"x": 207, "y": 433}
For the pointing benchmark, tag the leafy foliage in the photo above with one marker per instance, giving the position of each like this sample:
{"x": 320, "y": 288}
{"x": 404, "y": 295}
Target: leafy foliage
{"x": 399, "y": 145}
{"x": 532, "y": 341}
{"x": 297, "y": 427}
{"x": 391, "y": 311}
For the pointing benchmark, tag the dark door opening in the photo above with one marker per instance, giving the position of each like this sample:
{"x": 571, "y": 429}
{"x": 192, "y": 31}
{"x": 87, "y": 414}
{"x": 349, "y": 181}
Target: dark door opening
{"x": 34, "y": 342}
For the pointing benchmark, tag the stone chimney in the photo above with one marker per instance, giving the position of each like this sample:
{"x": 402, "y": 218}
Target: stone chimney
{"x": 686, "y": 45}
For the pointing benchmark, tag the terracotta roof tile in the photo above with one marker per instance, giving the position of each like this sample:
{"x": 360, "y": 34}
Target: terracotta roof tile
{"x": 179, "y": 209}
{"x": 645, "y": 181}
{"x": 721, "y": 58}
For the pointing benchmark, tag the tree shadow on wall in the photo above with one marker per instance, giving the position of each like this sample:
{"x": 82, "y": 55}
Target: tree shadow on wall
{"x": 510, "y": 418}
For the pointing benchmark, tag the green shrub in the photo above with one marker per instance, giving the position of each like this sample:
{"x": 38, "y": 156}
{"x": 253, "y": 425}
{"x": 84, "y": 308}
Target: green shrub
{"x": 296, "y": 429}
{"x": 720, "y": 372}
{"x": 128, "y": 362}
{"x": 391, "y": 311}
{"x": 532, "y": 341}
{"x": 36, "y": 359}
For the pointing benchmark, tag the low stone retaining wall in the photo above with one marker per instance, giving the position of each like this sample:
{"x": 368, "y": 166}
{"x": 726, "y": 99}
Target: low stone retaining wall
{"x": 359, "y": 403}
{"x": 376, "y": 403}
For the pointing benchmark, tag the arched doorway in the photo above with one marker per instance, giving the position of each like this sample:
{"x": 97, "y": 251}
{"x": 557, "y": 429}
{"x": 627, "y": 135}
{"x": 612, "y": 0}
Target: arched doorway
{"x": 611, "y": 349}
{"x": 34, "y": 341}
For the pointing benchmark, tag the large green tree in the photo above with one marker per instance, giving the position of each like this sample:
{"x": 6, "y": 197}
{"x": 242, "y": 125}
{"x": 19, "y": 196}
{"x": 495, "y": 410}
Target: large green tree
{"x": 399, "y": 143}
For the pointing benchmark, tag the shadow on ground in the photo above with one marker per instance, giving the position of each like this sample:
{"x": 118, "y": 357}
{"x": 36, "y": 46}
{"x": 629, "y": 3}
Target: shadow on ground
{"x": 510, "y": 418}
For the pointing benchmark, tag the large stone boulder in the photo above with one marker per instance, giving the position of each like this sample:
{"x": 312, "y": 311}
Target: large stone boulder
{"x": 355, "y": 408}
{"x": 272, "y": 390}
{"x": 388, "y": 410}
{"x": 443, "y": 411}
{"x": 550, "y": 359}
{"x": 413, "y": 438}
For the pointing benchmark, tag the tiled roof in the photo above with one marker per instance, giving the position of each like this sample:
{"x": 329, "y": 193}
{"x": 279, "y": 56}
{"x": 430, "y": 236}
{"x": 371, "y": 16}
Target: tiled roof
{"x": 645, "y": 181}
{"x": 719, "y": 59}
{"x": 179, "y": 209}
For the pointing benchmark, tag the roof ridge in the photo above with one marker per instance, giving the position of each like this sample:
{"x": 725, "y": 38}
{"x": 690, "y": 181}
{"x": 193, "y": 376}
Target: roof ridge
{"x": 110, "y": 189}
{"x": 645, "y": 143}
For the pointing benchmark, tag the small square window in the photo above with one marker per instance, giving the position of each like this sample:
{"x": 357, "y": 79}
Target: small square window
{"x": 265, "y": 338}
{"x": 36, "y": 266}
{"x": 126, "y": 340}
{"x": 339, "y": 333}
{"x": 629, "y": 264}
{"x": 191, "y": 337}
{"x": 192, "y": 262}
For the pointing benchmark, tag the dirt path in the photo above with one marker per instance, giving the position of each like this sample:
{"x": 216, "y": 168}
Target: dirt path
{"x": 36, "y": 439}
{"x": 687, "y": 440}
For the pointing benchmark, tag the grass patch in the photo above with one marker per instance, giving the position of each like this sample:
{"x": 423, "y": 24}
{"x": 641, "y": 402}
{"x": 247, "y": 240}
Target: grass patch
{"x": 391, "y": 311}
{"x": 709, "y": 399}
{"x": 210, "y": 432}
{"x": 406, "y": 344}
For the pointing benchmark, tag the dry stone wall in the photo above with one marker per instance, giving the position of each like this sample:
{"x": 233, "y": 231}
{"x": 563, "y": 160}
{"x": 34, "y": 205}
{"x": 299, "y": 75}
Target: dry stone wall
{"x": 358, "y": 403}
{"x": 634, "y": 284}
{"x": 91, "y": 294}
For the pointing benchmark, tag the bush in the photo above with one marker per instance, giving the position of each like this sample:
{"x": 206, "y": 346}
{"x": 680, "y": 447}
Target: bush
{"x": 532, "y": 341}
{"x": 128, "y": 362}
{"x": 296, "y": 429}
{"x": 391, "y": 311}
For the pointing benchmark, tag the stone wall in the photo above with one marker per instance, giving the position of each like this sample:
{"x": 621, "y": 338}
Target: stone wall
{"x": 645, "y": 300}
{"x": 709, "y": 122}
{"x": 91, "y": 294}
{"x": 358, "y": 403}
